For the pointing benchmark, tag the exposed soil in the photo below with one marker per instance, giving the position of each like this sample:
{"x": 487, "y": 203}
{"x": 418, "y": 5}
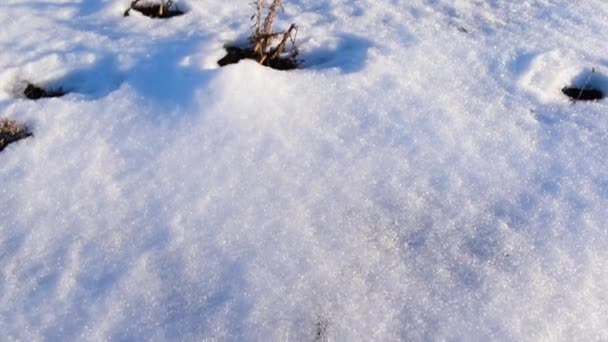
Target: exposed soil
{"x": 12, "y": 131}
{"x": 585, "y": 94}
{"x": 34, "y": 92}
{"x": 236, "y": 54}
{"x": 154, "y": 10}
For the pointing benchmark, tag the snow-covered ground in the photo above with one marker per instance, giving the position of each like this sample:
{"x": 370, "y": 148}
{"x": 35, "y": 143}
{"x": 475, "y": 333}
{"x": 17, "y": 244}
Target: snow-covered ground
{"x": 422, "y": 178}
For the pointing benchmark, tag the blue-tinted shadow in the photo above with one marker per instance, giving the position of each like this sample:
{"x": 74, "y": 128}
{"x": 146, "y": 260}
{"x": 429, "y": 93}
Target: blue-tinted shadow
{"x": 349, "y": 55}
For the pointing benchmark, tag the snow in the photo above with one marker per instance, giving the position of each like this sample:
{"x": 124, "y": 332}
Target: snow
{"x": 413, "y": 182}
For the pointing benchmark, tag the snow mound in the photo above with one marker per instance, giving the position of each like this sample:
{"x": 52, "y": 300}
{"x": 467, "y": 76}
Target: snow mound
{"x": 421, "y": 178}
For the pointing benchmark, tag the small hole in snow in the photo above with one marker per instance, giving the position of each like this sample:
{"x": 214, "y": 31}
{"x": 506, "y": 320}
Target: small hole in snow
{"x": 236, "y": 54}
{"x": 154, "y": 10}
{"x": 589, "y": 85}
{"x": 582, "y": 94}
{"x": 34, "y": 92}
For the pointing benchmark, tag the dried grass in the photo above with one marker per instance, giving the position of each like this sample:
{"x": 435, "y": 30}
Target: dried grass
{"x": 263, "y": 36}
{"x": 12, "y": 131}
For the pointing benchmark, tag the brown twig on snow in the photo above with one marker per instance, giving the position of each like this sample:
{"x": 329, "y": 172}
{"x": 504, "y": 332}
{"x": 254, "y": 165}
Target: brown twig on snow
{"x": 269, "y": 21}
{"x": 257, "y": 16}
{"x": 283, "y": 42}
{"x": 164, "y": 6}
{"x": 263, "y": 36}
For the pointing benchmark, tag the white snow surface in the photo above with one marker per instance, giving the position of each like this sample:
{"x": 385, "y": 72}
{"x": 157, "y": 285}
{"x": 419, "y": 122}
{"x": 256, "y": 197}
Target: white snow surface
{"x": 421, "y": 178}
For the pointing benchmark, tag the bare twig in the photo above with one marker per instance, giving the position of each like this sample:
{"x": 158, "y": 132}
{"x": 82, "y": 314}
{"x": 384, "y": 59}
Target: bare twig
{"x": 257, "y": 16}
{"x": 585, "y": 85}
{"x": 164, "y": 6}
{"x": 268, "y": 22}
{"x": 272, "y": 13}
{"x": 281, "y": 47}
{"x": 294, "y": 47}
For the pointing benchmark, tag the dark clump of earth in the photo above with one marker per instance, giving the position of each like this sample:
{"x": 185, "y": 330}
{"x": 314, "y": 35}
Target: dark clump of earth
{"x": 582, "y": 94}
{"x": 34, "y": 92}
{"x": 236, "y": 54}
{"x": 154, "y": 11}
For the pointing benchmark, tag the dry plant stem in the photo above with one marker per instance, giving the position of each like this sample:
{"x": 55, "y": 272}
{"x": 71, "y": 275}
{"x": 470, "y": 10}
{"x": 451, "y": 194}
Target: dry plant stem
{"x": 260, "y": 41}
{"x": 258, "y": 52}
{"x": 585, "y": 85}
{"x": 272, "y": 13}
{"x": 281, "y": 47}
{"x": 263, "y": 36}
{"x": 258, "y": 18}
{"x": 164, "y": 6}
{"x": 263, "y": 59}
{"x": 268, "y": 22}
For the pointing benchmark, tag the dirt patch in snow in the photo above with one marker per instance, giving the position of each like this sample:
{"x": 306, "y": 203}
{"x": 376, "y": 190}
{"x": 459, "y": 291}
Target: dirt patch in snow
{"x": 163, "y": 10}
{"x": 12, "y": 131}
{"x": 582, "y": 94}
{"x": 587, "y": 86}
{"x": 235, "y": 54}
{"x": 34, "y": 92}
